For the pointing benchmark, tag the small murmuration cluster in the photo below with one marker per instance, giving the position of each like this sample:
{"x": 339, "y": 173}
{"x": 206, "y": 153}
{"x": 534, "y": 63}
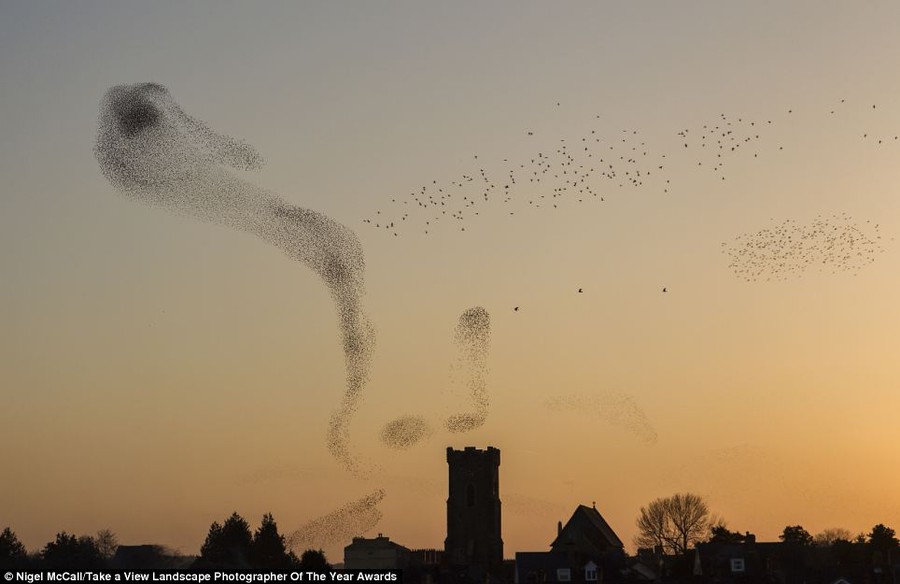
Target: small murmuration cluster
{"x": 405, "y": 432}
{"x": 340, "y": 526}
{"x": 459, "y": 423}
{"x": 472, "y": 337}
{"x": 790, "y": 249}
{"x": 617, "y": 409}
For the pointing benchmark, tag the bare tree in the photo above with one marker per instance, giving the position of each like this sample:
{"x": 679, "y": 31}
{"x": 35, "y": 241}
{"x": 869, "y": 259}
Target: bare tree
{"x": 690, "y": 516}
{"x": 654, "y": 528}
{"x": 828, "y": 536}
{"x": 107, "y": 543}
{"x": 676, "y": 523}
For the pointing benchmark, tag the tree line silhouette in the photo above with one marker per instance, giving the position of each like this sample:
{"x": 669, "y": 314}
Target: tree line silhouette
{"x": 228, "y": 545}
{"x": 670, "y": 528}
{"x": 671, "y": 525}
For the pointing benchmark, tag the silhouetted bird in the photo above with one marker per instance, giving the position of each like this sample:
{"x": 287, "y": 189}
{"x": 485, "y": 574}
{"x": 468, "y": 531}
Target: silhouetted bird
{"x": 516, "y": 309}
{"x": 664, "y": 289}
{"x": 580, "y": 291}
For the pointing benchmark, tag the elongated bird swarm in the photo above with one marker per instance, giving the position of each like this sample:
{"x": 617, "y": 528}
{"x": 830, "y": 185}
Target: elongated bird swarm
{"x": 153, "y": 152}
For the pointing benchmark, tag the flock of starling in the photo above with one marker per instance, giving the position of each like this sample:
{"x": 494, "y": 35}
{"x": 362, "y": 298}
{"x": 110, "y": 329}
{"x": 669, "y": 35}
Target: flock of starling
{"x": 405, "y": 432}
{"x": 153, "y": 152}
{"x": 472, "y": 337}
{"x": 579, "y": 171}
{"x": 788, "y": 249}
{"x": 600, "y": 166}
{"x": 473, "y": 341}
{"x": 591, "y": 168}
{"x": 339, "y": 526}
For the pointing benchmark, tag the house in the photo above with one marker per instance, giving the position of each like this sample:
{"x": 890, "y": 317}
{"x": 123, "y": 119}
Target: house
{"x": 586, "y": 549}
{"x": 378, "y": 553}
{"x": 785, "y": 563}
{"x": 550, "y": 567}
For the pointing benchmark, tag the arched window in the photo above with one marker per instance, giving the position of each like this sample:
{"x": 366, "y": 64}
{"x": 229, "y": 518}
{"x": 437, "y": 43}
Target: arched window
{"x": 470, "y": 495}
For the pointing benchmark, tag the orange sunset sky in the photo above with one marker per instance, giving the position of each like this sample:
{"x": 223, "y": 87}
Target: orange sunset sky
{"x": 158, "y": 373}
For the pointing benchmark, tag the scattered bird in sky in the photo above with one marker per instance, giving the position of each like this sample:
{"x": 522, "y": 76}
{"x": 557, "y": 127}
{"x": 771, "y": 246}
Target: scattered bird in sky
{"x": 580, "y": 291}
{"x": 664, "y": 290}
{"x": 516, "y": 309}
{"x": 596, "y": 165}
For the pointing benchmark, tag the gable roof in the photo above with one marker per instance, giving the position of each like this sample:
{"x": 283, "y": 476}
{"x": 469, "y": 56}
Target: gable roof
{"x": 587, "y": 531}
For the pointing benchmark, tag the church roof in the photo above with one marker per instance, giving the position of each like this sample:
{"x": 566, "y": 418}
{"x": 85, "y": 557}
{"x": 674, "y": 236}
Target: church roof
{"x": 587, "y": 531}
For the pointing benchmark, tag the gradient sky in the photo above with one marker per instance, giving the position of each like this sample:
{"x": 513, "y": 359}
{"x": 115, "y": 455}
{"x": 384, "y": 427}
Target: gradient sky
{"x": 158, "y": 373}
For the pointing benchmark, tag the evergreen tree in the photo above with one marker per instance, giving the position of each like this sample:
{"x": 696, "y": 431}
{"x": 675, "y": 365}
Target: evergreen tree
{"x": 796, "y": 534}
{"x": 68, "y": 552}
{"x": 268, "y": 549}
{"x": 210, "y": 551}
{"x": 227, "y": 545}
{"x": 884, "y": 544}
{"x": 721, "y": 534}
{"x": 314, "y": 560}
{"x": 12, "y": 552}
{"x": 882, "y": 538}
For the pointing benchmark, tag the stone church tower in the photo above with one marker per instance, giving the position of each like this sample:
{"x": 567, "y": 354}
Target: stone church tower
{"x": 473, "y": 511}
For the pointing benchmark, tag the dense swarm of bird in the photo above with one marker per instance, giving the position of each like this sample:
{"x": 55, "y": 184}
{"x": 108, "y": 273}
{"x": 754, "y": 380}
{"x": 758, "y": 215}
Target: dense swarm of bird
{"x": 154, "y": 152}
{"x": 340, "y": 526}
{"x": 789, "y": 249}
{"x": 405, "y": 432}
{"x": 473, "y": 341}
